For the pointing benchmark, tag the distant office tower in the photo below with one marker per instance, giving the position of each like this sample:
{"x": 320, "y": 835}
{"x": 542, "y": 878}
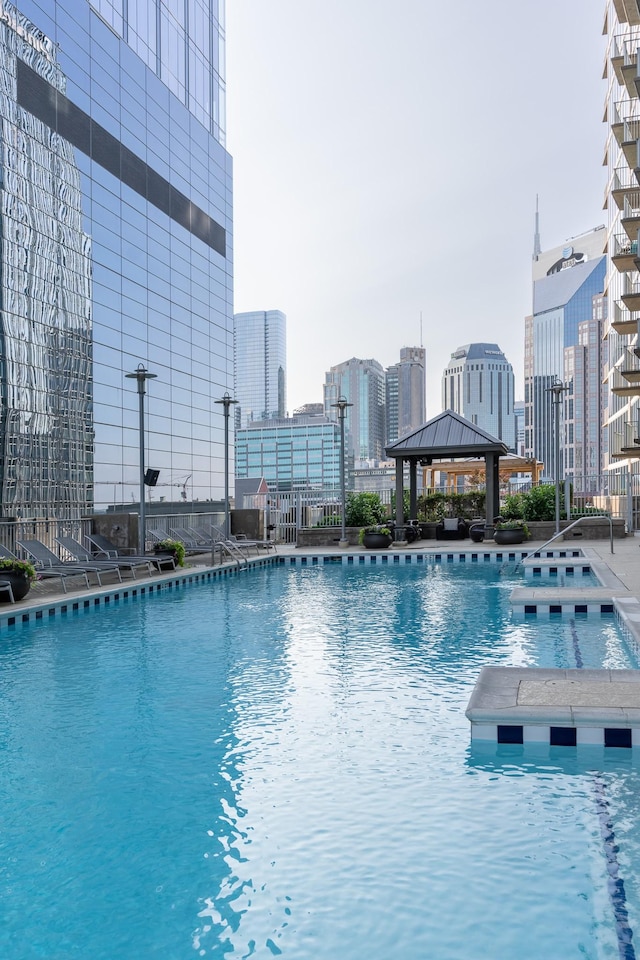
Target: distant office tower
{"x": 405, "y": 393}
{"x": 565, "y": 280}
{"x": 518, "y": 409}
{"x": 362, "y": 383}
{"x": 259, "y": 365}
{"x": 622, "y": 113}
{"x": 478, "y": 383}
{"x": 585, "y": 401}
{"x": 292, "y": 453}
{"x": 115, "y": 249}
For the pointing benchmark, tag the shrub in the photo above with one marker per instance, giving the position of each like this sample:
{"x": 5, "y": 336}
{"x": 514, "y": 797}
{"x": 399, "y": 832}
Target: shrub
{"x": 364, "y": 510}
{"x": 539, "y": 503}
{"x": 513, "y": 506}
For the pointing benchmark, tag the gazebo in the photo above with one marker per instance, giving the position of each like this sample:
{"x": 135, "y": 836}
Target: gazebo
{"x": 446, "y": 437}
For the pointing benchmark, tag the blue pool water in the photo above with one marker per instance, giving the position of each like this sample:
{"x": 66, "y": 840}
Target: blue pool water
{"x": 279, "y": 765}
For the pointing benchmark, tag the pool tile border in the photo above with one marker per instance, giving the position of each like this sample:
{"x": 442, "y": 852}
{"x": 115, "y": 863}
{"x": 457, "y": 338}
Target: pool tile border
{"x": 68, "y": 604}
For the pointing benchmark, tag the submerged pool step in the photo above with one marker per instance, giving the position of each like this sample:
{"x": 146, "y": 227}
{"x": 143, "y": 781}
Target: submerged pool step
{"x": 556, "y": 707}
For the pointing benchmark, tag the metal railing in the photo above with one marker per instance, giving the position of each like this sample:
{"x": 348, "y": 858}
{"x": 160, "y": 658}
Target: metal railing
{"x": 561, "y": 533}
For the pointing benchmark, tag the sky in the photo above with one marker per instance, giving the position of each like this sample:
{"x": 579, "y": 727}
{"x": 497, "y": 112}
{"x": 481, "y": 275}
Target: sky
{"x": 387, "y": 158}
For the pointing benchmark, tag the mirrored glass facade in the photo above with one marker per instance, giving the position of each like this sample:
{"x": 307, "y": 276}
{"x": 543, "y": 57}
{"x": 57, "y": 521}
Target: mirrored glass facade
{"x": 116, "y": 249}
{"x": 260, "y": 365}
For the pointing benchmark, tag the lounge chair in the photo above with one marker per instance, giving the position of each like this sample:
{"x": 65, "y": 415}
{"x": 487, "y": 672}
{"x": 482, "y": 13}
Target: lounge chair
{"x": 48, "y": 560}
{"x": 191, "y": 543}
{"x": 81, "y": 555}
{"x": 105, "y": 548}
{"x": 240, "y": 540}
{"x": 47, "y": 573}
{"x": 201, "y": 537}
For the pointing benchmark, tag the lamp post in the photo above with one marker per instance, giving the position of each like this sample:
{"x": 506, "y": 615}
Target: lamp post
{"x": 141, "y": 375}
{"x": 226, "y": 401}
{"x": 556, "y": 390}
{"x": 342, "y": 404}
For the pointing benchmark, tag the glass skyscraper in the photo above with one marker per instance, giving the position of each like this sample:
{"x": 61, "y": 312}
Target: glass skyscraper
{"x": 362, "y": 383}
{"x": 116, "y": 249}
{"x": 565, "y": 280}
{"x": 259, "y": 365}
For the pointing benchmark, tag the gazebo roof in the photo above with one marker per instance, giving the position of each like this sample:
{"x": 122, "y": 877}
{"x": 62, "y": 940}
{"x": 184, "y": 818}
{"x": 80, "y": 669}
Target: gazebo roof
{"x": 446, "y": 436}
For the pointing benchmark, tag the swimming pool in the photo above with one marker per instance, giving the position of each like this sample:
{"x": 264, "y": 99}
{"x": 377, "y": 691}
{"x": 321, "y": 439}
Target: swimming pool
{"x": 280, "y": 765}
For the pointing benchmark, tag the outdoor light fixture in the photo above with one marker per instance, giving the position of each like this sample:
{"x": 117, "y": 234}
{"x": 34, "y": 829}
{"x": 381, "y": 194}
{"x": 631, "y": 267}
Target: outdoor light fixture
{"x": 342, "y": 404}
{"x": 226, "y": 401}
{"x": 556, "y": 390}
{"x": 141, "y": 375}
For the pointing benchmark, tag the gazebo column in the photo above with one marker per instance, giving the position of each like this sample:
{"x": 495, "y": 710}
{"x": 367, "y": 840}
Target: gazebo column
{"x": 399, "y": 493}
{"x": 413, "y": 489}
{"x": 492, "y": 505}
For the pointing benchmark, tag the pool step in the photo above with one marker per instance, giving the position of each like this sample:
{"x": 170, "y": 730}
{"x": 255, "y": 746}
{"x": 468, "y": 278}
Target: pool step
{"x": 556, "y": 707}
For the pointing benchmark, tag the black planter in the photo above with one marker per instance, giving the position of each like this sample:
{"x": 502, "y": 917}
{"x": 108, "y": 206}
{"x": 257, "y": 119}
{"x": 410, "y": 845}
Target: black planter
{"x": 477, "y": 533}
{"x": 377, "y": 541}
{"x": 19, "y": 584}
{"x": 170, "y": 555}
{"x": 505, "y": 537}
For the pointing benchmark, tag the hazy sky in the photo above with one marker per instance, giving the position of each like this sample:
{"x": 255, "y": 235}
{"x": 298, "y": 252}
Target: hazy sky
{"x": 387, "y": 158}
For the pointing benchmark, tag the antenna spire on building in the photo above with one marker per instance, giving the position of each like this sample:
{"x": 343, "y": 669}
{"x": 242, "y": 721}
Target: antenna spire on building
{"x": 537, "y": 249}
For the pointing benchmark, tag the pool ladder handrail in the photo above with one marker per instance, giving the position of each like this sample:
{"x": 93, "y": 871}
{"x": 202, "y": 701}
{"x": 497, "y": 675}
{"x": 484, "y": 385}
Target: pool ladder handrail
{"x": 233, "y": 551}
{"x": 561, "y": 533}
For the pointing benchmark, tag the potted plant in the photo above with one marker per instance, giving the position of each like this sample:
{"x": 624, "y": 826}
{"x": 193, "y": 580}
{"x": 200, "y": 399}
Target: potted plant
{"x": 20, "y": 574}
{"x": 172, "y": 548}
{"x": 377, "y": 537}
{"x": 510, "y": 531}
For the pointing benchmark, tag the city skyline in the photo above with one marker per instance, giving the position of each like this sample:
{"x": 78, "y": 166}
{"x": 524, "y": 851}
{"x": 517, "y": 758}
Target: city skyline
{"x": 358, "y": 213}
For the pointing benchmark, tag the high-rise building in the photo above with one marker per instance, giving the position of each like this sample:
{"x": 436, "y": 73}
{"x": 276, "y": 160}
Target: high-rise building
{"x": 292, "y": 453}
{"x": 565, "y": 280}
{"x": 478, "y": 383}
{"x": 259, "y": 365}
{"x": 584, "y": 402}
{"x": 622, "y": 113}
{"x": 362, "y": 383}
{"x": 405, "y": 393}
{"x": 518, "y": 409}
{"x": 115, "y": 249}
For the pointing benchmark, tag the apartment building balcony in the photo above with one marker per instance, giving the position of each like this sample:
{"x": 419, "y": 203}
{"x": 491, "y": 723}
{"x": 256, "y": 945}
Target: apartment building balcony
{"x": 624, "y": 60}
{"x": 625, "y": 439}
{"x": 625, "y": 379}
{"x": 627, "y": 133}
{"x": 623, "y": 320}
{"x": 627, "y": 11}
{"x": 630, "y": 297}
{"x": 624, "y": 253}
{"x": 623, "y": 182}
{"x": 630, "y": 219}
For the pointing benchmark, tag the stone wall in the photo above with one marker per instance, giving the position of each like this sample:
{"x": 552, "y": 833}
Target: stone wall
{"x": 326, "y": 536}
{"x": 595, "y": 529}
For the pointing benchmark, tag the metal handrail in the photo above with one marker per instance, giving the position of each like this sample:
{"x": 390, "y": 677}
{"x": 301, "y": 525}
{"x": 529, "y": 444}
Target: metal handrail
{"x": 232, "y": 550}
{"x": 561, "y": 533}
